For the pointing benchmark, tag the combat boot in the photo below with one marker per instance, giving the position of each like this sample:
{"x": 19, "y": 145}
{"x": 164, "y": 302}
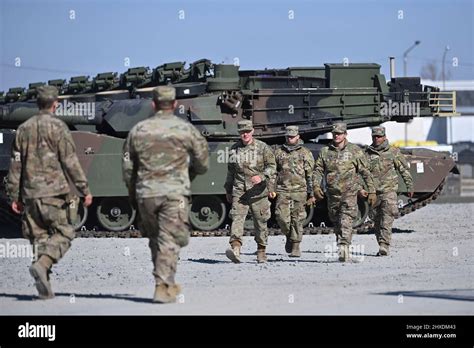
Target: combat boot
{"x": 164, "y": 294}
{"x": 40, "y": 272}
{"x": 288, "y": 245}
{"x": 343, "y": 253}
{"x": 261, "y": 256}
{"x": 233, "y": 253}
{"x": 174, "y": 290}
{"x": 383, "y": 250}
{"x": 295, "y": 250}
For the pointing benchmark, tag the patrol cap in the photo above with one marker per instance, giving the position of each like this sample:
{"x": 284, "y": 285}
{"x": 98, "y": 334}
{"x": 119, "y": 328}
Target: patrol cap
{"x": 47, "y": 94}
{"x": 164, "y": 93}
{"x": 291, "y": 131}
{"x": 339, "y": 127}
{"x": 379, "y": 130}
{"x": 245, "y": 126}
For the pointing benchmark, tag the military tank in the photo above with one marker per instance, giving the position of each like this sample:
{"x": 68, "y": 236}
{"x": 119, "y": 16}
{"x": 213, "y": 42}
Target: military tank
{"x": 214, "y": 97}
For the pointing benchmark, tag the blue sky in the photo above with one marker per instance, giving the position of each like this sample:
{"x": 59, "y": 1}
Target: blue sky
{"x": 260, "y": 34}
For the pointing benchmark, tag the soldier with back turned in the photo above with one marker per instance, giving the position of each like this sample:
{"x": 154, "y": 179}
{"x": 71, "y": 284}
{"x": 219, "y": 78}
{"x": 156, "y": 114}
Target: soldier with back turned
{"x": 160, "y": 155}
{"x": 43, "y": 162}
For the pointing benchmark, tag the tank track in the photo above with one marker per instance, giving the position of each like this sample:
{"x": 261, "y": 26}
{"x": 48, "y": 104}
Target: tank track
{"x": 8, "y": 216}
{"x": 272, "y": 231}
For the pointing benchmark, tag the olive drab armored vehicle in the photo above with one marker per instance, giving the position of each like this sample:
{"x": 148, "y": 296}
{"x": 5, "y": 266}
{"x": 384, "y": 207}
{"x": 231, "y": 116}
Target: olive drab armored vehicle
{"x": 214, "y": 97}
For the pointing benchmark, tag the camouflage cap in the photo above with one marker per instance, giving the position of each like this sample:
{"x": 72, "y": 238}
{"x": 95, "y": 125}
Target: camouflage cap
{"x": 164, "y": 93}
{"x": 339, "y": 127}
{"x": 292, "y": 131}
{"x": 245, "y": 126}
{"x": 379, "y": 130}
{"x": 47, "y": 93}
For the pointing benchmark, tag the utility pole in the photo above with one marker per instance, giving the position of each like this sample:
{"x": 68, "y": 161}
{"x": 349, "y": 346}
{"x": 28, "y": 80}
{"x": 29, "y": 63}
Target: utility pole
{"x": 405, "y": 56}
{"x": 446, "y": 49}
{"x": 450, "y": 124}
{"x": 405, "y": 62}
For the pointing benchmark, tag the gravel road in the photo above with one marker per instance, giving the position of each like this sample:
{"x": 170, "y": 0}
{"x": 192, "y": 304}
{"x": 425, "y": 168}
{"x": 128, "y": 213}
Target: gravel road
{"x": 429, "y": 271}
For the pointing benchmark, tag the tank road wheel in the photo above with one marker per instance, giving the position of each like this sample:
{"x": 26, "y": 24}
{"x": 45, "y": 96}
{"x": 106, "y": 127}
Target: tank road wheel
{"x": 207, "y": 213}
{"x": 309, "y": 215}
{"x": 362, "y": 212}
{"x": 82, "y": 213}
{"x": 115, "y": 214}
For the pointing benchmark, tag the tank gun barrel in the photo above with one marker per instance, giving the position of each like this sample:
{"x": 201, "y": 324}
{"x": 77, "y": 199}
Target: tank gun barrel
{"x": 17, "y": 113}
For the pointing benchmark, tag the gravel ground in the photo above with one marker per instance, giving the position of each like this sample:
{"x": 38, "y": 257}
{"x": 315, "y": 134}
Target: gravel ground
{"x": 429, "y": 271}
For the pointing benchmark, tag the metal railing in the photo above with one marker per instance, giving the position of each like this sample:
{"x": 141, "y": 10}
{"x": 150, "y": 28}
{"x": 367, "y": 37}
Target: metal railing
{"x": 443, "y": 103}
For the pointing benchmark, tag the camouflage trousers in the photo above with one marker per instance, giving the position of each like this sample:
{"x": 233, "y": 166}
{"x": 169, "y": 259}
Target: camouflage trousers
{"x": 383, "y": 214}
{"x": 290, "y": 212}
{"x": 342, "y": 212}
{"x": 164, "y": 220}
{"x": 46, "y": 224}
{"x": 260, "y": 209}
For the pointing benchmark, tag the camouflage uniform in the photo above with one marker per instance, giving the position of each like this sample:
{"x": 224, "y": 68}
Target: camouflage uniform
{"x": 384, "y": 161}
{"x": 246, "y": 161}
{"x": 43, "y": 160}
{"x": 160, "y": 153}
{"x": 340, "y": 168}
{"x": 294, "y": 184}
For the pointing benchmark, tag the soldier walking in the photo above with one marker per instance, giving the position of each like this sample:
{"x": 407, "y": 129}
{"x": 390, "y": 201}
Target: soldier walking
{"x": 294, "y": 187}
{"x": 340, "y": 164}
{"x": 43, "y": 160}
{"x": 384, "y": 163}
{"x": 159, "y": 156}
{"x": 250, "y": 182}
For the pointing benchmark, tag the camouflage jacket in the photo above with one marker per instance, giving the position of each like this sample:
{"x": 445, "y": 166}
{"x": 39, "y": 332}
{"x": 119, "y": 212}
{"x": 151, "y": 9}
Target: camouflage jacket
{"x": 249, "y": 160}
{"x": 294, "y": 169}
{"x": 341, "y": 169}
{"x": 160, "y": 154}
{"x": 43, "y": 160}
{"x": 384, "y": 162}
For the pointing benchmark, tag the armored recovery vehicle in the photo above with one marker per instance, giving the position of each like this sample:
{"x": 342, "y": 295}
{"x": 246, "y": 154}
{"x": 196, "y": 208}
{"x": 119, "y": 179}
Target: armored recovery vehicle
{"x": 214, "y": 97}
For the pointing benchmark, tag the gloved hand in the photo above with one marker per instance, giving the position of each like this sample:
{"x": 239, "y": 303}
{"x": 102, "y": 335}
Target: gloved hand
{"x": 318, "y": 194}
{"x": 372, "y": 199}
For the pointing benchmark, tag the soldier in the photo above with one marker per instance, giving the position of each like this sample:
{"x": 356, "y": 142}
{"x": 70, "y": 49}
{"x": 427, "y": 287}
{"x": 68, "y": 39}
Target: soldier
{"x": 384, "y": 162}
{"x": 159, "y": 156}
{"x": 339, "y": 164}
{"x": 250, "y": 180}
{"x": 294, "y": 188}
{"x": 43, "y": 160}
